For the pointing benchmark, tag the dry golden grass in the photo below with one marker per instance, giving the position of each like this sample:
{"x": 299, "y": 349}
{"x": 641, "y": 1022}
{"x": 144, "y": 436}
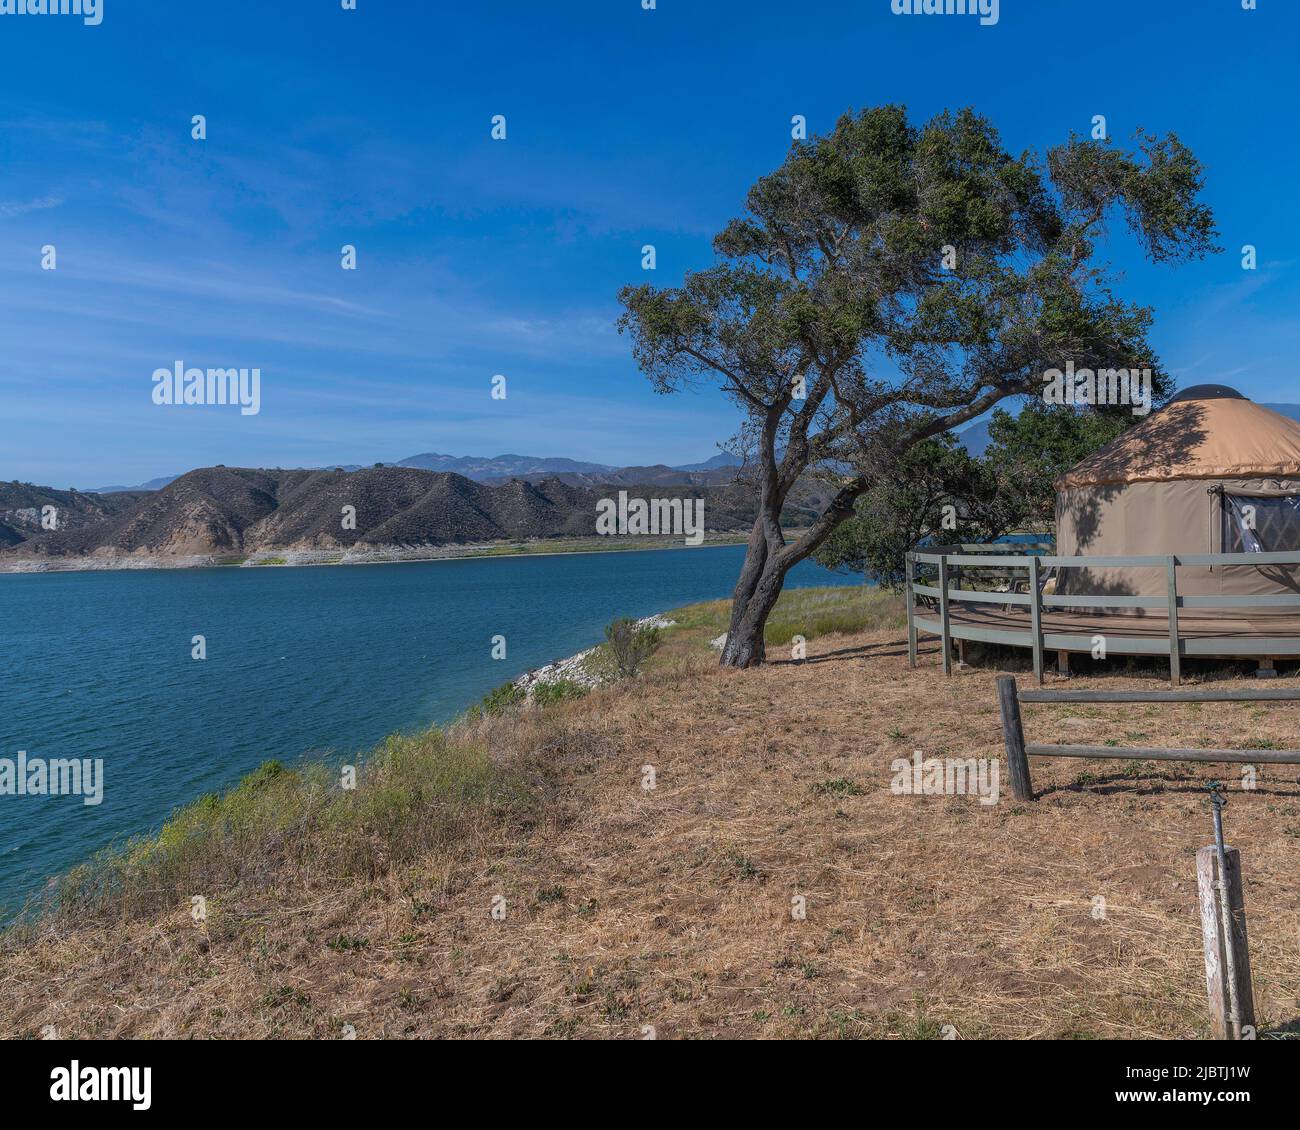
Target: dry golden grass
{"x": 671, "y": 908}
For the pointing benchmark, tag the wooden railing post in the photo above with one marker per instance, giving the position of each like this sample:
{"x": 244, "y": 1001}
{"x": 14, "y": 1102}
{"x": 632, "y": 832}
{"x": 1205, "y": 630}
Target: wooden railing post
{"x": 1013, "y": 736}
{"x": 909, "y": 571}
{"x": 1175, "y": 659}
{"x": 944, "y": 621}
{"x": 1036, "y": 619}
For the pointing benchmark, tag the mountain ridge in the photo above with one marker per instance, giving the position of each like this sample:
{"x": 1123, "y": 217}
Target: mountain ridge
{"x": 500, "y": 468}
{"x": 238, "y": 511}
{"x": 476, "y": 467}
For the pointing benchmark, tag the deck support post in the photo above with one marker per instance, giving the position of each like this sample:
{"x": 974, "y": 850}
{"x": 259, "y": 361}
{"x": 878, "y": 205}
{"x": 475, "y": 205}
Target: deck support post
{"x": 1266, "y": 669}
{"x": 1063, "y": 664}
{"x": 909, "y": 569}
{"x": 1036, "y": 619}
{"x": 944, "y": 621}
{"x": 1013, "y": 737}
{"x": 1175, "y": 659}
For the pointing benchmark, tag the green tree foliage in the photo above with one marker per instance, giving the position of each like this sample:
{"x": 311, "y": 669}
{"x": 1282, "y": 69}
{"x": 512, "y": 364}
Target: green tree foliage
{"x": 940, "y": 492}
{"x": 935, "y": 488}
{"x": 1028, "y": 452}
{"x": 892, "y": 281}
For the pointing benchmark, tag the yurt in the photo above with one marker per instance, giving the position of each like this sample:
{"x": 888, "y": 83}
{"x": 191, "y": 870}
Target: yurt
{"x": 1211, "y": 472}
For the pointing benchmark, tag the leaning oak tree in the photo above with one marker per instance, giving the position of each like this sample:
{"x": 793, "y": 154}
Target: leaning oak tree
{"x": 890, "y": 282}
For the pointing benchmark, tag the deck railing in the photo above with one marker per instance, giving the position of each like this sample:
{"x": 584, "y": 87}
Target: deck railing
{"x": 951, "y": 561}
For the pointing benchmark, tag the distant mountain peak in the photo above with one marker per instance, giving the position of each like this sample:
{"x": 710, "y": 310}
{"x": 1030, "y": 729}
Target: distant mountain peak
{"x": 481, "y": 468}
{"x": 718, "y": 462}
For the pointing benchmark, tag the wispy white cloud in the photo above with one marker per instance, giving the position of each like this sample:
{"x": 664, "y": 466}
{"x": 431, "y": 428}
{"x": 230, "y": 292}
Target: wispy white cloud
{"x": 12, "y": 208}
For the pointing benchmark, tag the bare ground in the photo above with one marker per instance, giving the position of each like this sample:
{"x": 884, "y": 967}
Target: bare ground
{"x": 670, "y": 908}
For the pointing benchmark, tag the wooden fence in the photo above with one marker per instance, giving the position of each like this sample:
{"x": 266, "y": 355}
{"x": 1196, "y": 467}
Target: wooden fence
{"x": 951, "y": 561}
{"x": 1019, "y": 752}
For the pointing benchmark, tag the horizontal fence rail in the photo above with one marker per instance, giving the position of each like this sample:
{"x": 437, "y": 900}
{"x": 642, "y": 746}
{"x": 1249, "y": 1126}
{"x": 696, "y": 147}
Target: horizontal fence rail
{"x": 1018, "y": 752}
{"x": 1000, "y": 555}
{"x": 1160, "y": 753}
{"x": 956, "y": 564}
{"x": 1219, "y": 694}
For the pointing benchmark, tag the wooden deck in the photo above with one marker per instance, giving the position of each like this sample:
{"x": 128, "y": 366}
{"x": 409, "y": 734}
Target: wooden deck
{"x": 1262, "y": 626}
{"x": 1225, "y": 633}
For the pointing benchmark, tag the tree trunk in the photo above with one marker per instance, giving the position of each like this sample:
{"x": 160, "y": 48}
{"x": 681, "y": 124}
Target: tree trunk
{"x": 767, "y": 561}
{"x": 756, "y": 592}
{"x": 744, "y": 646}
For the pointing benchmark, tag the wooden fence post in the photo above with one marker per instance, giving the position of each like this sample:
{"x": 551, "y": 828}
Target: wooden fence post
{"x": 943, "y": 614}
{"x": 1013, "y": 736}
{"x": 1212, "y": 934}
{"x": 1175, "y": 661}
{"x": 909, "y": 570}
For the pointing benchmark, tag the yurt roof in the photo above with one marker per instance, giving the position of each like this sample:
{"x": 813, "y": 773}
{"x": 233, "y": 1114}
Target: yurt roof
{"x": 1205, "y": 432}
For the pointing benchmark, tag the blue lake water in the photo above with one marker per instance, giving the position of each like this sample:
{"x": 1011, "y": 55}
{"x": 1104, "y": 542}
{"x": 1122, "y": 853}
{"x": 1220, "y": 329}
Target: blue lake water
{"x": 300, "y": 661}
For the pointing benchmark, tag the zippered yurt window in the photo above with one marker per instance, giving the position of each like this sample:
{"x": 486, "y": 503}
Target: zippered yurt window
{"x": 1261, "y": 524}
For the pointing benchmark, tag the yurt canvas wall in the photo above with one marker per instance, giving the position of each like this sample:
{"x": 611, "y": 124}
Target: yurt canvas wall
{"x": 1186, "y": 481}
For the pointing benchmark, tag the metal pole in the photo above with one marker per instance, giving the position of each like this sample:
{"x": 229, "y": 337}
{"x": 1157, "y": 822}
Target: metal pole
{"x": 1175, "y": 663}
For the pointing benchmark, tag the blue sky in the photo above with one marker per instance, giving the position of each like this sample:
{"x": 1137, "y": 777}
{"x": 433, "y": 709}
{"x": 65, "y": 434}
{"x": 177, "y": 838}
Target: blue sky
{"x": 626, "y": 127}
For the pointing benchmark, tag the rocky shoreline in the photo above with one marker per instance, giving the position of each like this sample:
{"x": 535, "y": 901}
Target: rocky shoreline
{"x": 368, "y": 555}
{"x": 574, "y": 668}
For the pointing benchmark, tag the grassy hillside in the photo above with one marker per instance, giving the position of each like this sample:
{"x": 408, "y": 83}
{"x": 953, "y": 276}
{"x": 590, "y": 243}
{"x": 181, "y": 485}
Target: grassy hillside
{"x": 810, "y": 612}
{"x": 671, "y": 907}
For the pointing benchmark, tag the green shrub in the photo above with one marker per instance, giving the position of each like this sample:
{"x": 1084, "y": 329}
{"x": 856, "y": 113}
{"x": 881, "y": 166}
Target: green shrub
{"x": 629, "y": 646}
{"x": 498, "y": 700}
{"x": 561, "y": 690}
{"x": 413, "y": 794}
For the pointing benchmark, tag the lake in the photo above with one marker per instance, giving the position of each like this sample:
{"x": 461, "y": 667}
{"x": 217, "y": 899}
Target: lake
{"x": 300, "y": 662}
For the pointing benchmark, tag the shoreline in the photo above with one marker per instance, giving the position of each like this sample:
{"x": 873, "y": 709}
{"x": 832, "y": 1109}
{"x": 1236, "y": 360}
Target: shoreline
{"x": 572, "y": 668}
{"x": 567, "y": 669}
{"x": 302, "y": 559}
